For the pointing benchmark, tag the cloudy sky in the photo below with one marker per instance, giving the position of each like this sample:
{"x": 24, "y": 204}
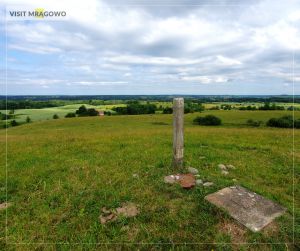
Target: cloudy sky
{"x": 154, "y": 47}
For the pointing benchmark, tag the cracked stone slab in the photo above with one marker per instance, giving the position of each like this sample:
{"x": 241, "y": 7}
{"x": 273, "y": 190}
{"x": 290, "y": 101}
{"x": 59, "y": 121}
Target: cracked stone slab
{"x": 250, "y": 209}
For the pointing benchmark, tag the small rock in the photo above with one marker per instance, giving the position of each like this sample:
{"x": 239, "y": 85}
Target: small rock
{"x": 199, "y": 182}
{"x": 187, "y": 181}
{"x": 105, "y": 210}
{"x": 225, "y": 172}
{"x": 208, "y": 184}
{"x": 135, "y": 175}
{"x": 5, "y": 205}
{"x": 231, "y": 167}
{"x": 222, "y": 167}
{"x": 197, "y": 175}
{"x": 193, "y": 170}
{"x": 107, "y": 218}
{"x": 170, "y": 179}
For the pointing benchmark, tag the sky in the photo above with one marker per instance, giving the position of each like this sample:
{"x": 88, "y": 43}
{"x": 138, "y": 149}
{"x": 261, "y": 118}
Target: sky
{"x": 217, "y": 47}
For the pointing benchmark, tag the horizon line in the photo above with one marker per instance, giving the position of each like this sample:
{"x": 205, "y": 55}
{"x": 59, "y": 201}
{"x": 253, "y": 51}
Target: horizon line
{"x": 7, "y": 95}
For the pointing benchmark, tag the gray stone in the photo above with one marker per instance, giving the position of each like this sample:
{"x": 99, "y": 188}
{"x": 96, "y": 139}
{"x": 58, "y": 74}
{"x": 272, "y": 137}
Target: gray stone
{"x": 248, "y": 208}
{"x": 193, "y": 170}
{"x": 225, "y": 172}
{"x": 208, "y": 184}
{"x": 199, "y": 182}
{"x": 231, "y": 167}
{"x": 222, "y": 167}
{"x": 170, "y": 179}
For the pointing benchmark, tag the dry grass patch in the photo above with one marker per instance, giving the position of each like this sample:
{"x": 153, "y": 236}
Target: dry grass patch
{"x": 236, "y": 231}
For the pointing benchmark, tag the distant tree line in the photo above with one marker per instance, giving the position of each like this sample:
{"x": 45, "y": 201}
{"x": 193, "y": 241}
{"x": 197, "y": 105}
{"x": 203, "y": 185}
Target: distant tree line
{"x": 38, "y": 102}
{"x": 266, "y": 107}
{"x": 226, "y": 107}
{"x": 135, "y": 108}
{"x": 248, "y": 108}
{"x": 199, "y": 98}
{"x": 28, "y": 104}
{"x": 189, "y": 107}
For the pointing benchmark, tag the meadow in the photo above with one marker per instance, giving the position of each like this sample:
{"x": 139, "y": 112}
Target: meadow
{"x": 60, "y": 173}
{"x": 237, "y": 105}
{"x": 61, "y": 111}
{"x": 47, "y": 113}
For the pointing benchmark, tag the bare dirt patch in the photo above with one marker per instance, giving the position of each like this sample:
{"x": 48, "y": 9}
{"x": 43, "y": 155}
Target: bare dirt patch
{"x": 272, "y": 229}
{"x": 236, "y": 231}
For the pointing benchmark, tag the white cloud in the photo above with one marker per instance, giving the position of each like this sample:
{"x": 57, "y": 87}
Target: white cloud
{"x": 206, "y": 79}
{"x": 228, "y": 61}
{"x": 95, "y": 83}
{"x": 148, "y": 60}
{"x": 107, "y": 45}
{"x": 35, "y": 49}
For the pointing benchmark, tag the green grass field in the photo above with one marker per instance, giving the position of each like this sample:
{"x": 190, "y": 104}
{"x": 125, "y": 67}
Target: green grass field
{"x": 47, "y": 113}
{"x": 62, "y": 172}
{"x": 61, "y": 111}
{"x": 236, "y": 105}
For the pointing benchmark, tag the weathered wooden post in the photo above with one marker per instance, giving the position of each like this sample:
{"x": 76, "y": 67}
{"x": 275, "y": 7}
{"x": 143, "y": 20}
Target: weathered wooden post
{"x": 178, "y": 144}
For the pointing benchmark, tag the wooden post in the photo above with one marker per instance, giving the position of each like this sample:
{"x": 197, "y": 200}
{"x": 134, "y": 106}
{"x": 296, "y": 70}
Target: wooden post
{"x": 178, "y": 111}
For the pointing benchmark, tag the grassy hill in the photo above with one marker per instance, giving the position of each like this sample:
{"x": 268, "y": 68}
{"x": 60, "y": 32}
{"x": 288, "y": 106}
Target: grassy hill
{"x": 47, "y": 113}
{"x": 61, "y": 111}
{"x": 62, "y": 172}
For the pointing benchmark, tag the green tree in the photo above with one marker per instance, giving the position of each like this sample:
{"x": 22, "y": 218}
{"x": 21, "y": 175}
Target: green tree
{"x": 70, "y": 115}
{"x": 284, "y": 122}
{"x": 14, "y": 123}
{"x": 208, "y": 120}
{"x": 167, "y": 110}
{"x": 82, "y": 111}
{"x": 92, "y": 112}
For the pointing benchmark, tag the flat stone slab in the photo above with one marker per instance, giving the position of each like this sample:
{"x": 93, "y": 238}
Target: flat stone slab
{"x": 250, "y": 209}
